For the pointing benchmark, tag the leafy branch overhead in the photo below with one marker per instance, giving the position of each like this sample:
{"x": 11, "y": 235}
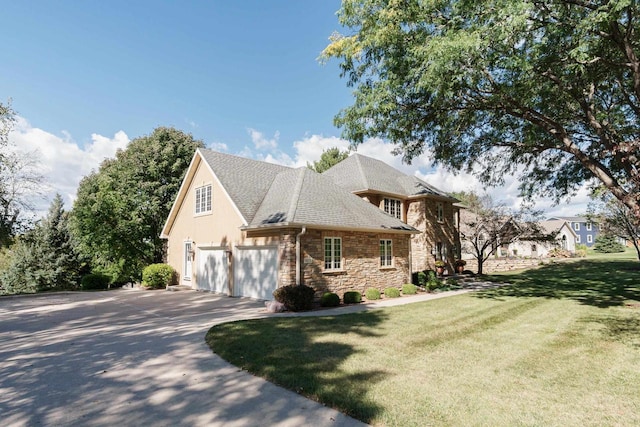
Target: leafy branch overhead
{"x": 549, "y": 90}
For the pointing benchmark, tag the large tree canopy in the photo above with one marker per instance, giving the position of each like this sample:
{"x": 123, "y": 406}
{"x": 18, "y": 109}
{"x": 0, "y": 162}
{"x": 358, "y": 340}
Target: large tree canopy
{"x": 120, "y": 209}
{"x": 546, "y": 89}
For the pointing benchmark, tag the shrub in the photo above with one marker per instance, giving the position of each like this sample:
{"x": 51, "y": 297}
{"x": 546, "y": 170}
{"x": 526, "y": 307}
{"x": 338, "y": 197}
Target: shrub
{"x": 391, "y": 293}
{"x": 432, "y": 281}
{"x": 329, "y": 299}
{"x": 157, "y": 276}
{"x": 352, "y": 297}
{"x": 419, "y": 278}
{"x": 409, "y": 289}
{"x": 95, "y": 281}
{"x": 295, "y": 297}
{"x": 372, "y": 294}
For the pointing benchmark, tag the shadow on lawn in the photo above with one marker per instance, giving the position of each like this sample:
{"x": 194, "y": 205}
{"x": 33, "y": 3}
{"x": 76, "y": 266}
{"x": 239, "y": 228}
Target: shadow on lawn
{"x": 597, "y": 283}
{"x": 305, "y": 355}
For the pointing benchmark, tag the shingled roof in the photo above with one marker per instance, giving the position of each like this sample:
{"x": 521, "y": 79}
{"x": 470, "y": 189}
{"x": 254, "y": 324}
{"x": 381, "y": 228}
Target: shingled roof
{"x": 358, "y": 173}
{"x": 269, "y": 195}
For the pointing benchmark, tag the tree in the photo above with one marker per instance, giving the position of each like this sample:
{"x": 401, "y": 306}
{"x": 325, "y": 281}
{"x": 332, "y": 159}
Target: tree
{"x": 120, "y": 209}
{"x": 615, "y": 219}
{"x": 19, "y": 179}
{"x": 607, "y": 244}
{"x": 45, "y": 257}
{"x": 546, "y": 89}
{"x": 486, "y": 225}
{"x": 329, "y": 158}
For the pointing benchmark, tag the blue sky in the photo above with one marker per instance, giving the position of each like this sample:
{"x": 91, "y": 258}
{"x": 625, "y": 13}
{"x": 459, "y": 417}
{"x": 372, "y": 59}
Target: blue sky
{"x": 86, "y": 77}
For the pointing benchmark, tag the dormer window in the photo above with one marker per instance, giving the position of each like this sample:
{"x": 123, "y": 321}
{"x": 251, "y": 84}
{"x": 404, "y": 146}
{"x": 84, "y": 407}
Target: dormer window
{"x": 393, "y": 207}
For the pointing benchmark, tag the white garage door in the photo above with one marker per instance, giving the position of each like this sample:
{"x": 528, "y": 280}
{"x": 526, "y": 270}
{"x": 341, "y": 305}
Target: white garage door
{"x": 213, "y": 270}
{"x": 255, "y": 272}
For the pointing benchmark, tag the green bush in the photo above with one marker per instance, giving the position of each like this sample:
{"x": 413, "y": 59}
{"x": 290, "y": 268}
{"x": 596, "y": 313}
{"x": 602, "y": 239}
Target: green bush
{"x": 433, "y": 282}
{"x": 391, "y": 293}
{"x": 372, "y": 294}
{"x": 329, "y": 299}
{"x": 95, "y": 281}
{"x": 295, "y": 297}
{"x": 352, "y": 297}
{"x": 409, "y": 289}
{"x": 157, "y": 276}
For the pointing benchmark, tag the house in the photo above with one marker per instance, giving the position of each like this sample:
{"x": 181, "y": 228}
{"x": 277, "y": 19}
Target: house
{"x": 585, "y": 230}
{"x": 435, "y": 214}
{"x": 242, "y": 227}
{"x": 559, "y": 235}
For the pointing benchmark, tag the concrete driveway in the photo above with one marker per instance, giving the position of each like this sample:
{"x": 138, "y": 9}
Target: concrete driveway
{"x": 134, "y": 358}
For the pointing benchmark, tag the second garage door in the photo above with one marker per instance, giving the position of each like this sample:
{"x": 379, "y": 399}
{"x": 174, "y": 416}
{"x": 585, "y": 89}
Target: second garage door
{"x": 255, "y": 271}
{"x": 213, "y": 270}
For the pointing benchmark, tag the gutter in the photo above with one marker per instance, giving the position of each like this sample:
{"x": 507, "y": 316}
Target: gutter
{"x": 298, "y": 253}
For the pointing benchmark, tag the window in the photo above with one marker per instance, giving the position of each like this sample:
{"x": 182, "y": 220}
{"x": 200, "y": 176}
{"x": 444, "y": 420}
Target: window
{"x": 439, "y": 251}
{"x": 588, "y": 226}
{"x": 188, "y": 259}
{"x": 577, "y": 239}
{"x": 440, "y": 212}
{"x": 386, "y": 255}
{"x": 393, "y": 207}
{"x": 332, "y": 253}
{"x": 589, "y": 238}
{"x": 203, "y": 199}
{"x": 576, "y": 226}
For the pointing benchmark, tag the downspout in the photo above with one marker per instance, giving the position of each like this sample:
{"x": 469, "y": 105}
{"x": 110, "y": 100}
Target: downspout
{"x": 298, "y": 236}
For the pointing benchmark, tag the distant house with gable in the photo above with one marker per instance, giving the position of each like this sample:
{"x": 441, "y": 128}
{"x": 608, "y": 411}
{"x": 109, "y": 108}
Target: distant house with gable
{"x": 585, "y": 230}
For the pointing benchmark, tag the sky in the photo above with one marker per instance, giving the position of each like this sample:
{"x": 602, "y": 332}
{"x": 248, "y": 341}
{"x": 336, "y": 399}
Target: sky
{"x": 87, "y": 77}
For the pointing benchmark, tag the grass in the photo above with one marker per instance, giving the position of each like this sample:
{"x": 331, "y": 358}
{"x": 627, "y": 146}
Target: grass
{"x": 560, "y": 347}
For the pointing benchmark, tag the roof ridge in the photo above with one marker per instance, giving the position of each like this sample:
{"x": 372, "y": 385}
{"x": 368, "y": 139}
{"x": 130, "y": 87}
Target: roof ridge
{"x": 295, "y": 195}
{"x": 363, "y": 175}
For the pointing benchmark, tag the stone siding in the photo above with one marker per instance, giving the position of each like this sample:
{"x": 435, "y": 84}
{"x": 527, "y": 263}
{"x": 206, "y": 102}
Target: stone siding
{"x": 502, "y": 264}
{"x": 422, "y": 215}
{"x": 360, "y": 262}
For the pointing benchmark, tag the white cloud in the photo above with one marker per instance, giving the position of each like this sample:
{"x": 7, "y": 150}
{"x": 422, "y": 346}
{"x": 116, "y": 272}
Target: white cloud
{"x": 261, "y": 142}
{"x": 63, "y": 162}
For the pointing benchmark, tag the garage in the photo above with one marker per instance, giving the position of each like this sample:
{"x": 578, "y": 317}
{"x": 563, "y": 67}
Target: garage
{"x": 213, "y": 270}
{"x": 255, "y": 271}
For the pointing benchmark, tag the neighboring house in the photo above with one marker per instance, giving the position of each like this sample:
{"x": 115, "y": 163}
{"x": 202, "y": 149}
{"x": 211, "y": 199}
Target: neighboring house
{"x": 242, "y": 227}
{"x": 560, "y": 236}
{"x": 585, "y": 230}
{"x": 411, "y": 200}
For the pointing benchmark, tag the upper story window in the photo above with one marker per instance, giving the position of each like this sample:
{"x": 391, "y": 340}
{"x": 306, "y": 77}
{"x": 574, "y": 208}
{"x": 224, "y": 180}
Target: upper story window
{"x": 203, "y": 199}
{"x": 386, "y": 253}
{"x": 440, "y": 212}
{"x": 393, "y": 207}
{"x": 576, "y": 226}
{"x": 332, "y": 253}
{"x": 588, "y": 226}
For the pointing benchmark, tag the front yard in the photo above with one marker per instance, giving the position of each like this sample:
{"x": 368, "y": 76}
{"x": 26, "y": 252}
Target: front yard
{"x": 561, "y": 347}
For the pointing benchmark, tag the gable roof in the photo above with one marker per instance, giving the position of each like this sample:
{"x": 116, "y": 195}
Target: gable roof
{"x": 358, "y": 173}
{"x": 268, "y": 196}
{"x": 569, "y": 218}
{"x": 552, "y": 227}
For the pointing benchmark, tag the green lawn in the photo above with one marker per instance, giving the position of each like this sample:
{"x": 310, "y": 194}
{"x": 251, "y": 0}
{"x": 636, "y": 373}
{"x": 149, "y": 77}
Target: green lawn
{"x": 561, "y": 347}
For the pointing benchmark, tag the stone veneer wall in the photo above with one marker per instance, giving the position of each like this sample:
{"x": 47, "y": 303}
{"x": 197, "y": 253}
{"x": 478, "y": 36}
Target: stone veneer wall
{"x": 360, "y": 262}
{"x": 422, "y": 215}
{"x": 503, "y": 264}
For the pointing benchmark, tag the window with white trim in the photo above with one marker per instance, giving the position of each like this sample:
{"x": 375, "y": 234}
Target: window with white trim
{"x": 589, "y": 238}
{"x": 332, "y": 253}
{"x": 576, "y": 226}
{"x": 393, "y": 207}
{"x": 588, "y": 226}
{"x": 386, "y": 253}
{"x": 203, "y": 199}
{"x": 577, "y": 239}
{"x": 440, "y": 211}
{"x": 188, "y": 260}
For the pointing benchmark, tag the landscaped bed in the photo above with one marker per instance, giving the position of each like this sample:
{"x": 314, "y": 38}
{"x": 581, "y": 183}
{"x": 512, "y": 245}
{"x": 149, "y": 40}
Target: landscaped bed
{"x": 562, "y": 347}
